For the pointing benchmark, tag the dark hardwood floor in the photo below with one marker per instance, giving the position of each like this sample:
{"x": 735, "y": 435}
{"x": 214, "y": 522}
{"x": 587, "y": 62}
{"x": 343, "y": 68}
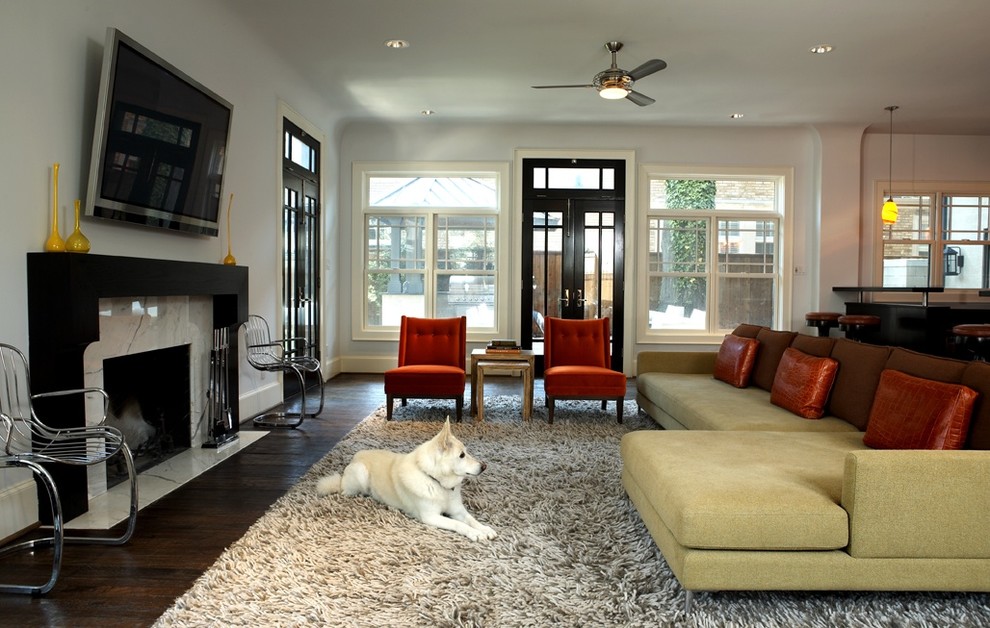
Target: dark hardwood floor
{"x": 181, "y": 535}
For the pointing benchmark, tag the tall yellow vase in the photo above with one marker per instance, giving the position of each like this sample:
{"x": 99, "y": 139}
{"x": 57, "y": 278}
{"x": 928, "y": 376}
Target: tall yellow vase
{"x": 55, "y": 243}
{"x": 77, "y": 242}
{"x": 230, "y": 260}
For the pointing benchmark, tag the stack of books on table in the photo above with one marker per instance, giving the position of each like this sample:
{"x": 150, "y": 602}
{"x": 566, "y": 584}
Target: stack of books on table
{"x": 501, "y": 345}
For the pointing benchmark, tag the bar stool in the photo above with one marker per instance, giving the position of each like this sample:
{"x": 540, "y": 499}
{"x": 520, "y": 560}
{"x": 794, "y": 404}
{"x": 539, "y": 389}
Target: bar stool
{"x": 824, "y": 322}
{"x": 857, "y": 326}
{"x": 976, "y": 338}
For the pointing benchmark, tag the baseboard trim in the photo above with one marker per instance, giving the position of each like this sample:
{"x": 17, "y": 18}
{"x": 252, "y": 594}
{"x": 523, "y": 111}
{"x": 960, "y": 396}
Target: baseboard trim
{"x": 18, "y": 506}
{"x": 367, "y": 364}
{"x": 259, "y": 401}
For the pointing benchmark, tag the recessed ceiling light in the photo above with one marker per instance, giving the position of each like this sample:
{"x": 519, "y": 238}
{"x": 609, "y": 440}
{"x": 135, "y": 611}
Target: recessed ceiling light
{"x": 427, "y": 112}
{"x": 396, "y": 43}
{"x": 736, "y": 116}
{"x": 821, "y": 49}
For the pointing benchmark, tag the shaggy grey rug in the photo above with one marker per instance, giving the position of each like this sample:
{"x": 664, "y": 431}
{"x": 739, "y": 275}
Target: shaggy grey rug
{"x": 571, "y": 550}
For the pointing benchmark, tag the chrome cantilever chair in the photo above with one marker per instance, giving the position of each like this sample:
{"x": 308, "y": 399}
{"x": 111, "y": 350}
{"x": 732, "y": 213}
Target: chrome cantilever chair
{"x": 29, "y": 443}
{"x": 284, "y": 356}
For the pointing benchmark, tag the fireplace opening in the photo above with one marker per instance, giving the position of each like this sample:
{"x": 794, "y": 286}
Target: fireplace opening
{"x": 150, "y": 404}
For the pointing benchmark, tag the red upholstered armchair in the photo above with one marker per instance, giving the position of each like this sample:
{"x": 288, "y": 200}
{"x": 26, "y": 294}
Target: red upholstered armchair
{"x": 431, "y": 362}
{"x": 576, "y": 363}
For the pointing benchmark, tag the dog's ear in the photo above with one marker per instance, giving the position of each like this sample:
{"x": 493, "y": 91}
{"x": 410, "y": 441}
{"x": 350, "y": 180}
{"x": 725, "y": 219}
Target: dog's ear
{"x": 443, "y": 437}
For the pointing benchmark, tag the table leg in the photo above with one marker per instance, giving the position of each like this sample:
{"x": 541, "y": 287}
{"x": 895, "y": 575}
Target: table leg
{"x": 474, "y": 380}
{"x": 527, "y": 392}
{"x": 479, "y": 401}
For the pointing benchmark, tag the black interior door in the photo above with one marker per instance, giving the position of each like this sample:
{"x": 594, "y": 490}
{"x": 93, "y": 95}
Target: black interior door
{"x": 301, "y": 246}
{"x": 573, "y": 255}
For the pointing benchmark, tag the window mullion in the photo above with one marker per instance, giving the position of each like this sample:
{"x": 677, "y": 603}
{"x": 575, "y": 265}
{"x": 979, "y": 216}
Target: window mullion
{"x": 430, "y": 262}
{"x": 938, "y": 235}
{"x": 713, "y": 275}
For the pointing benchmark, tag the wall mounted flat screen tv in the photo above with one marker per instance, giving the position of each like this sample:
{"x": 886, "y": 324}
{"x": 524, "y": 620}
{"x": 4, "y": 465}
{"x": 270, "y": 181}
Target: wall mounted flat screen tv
{"x": 159, "y": 143}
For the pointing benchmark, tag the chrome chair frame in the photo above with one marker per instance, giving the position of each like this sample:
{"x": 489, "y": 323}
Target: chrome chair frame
{"x": 281, "y": 356}
{"x": 29, "y": 443}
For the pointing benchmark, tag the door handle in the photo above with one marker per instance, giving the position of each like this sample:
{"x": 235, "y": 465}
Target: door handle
{"x": 579, "y": 298}
{"x": 565, "y": 300}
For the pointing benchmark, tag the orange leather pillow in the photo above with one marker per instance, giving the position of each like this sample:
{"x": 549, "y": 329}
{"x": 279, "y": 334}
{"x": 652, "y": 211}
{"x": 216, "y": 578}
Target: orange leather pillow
{"x": 914, "y": 413}
{"x": 735, "y": 360}
{"x": 802, "y": 383}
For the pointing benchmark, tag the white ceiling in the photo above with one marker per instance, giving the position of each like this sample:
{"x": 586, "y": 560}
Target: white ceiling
{"x": 474, "y": 60}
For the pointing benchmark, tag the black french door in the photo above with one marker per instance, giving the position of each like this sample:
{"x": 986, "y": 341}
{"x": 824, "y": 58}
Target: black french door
{"x": 300, "y": 244}
{"x": 573, "y": 247}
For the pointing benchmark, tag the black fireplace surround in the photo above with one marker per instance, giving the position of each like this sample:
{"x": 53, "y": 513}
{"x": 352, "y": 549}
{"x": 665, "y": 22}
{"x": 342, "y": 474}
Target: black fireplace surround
{"x": 64, "y": 290}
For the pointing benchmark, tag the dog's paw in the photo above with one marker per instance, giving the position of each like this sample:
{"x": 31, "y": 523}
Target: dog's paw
{"x": 485, "y": 533}
{"x": 473, "y": 534}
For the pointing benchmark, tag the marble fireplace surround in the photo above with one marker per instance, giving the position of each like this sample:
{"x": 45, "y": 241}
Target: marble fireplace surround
{"x": 83, "y": 308}
{"x": 133, "y": 325}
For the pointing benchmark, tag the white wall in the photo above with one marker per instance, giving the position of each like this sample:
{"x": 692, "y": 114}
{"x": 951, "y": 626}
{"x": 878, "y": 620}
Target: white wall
{"x": 916, "y": 158}
{"x": 835, "y": 170}
{"x": 832, "y": 239}
{"x": 50, "y": 60}
{"x": 795, "y": 148}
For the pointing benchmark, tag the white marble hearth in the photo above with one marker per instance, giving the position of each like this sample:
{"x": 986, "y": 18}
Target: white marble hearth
{"x": 111, "y": 507}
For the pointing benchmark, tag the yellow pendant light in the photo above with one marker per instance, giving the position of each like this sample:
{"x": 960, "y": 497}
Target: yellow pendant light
{"x": 889, "y": 212}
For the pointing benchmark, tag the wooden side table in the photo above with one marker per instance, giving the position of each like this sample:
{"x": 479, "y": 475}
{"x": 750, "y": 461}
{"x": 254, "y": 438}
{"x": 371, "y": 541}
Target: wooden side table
{"x": 481, "y": 360}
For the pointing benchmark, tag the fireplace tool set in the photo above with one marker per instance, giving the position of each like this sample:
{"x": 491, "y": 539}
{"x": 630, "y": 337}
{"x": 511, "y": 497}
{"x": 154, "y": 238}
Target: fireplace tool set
{"x": 222, "y": 428}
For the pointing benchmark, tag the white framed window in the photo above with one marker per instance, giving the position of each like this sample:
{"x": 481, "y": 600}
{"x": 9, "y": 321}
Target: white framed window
{"x": 941, "y": 237}
{"x": 433, "y": 242}
{"x": 713, "y": 251}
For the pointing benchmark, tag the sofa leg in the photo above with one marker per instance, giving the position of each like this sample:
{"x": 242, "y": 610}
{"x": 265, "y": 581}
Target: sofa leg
{"x": 688, "y": 599}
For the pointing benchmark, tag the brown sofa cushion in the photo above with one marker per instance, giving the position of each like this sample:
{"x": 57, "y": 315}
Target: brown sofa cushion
{"x": 747, "y": 330}
{"x": 916, "y": 413}
{"x": 820, "y": 346}
{"x": 802, "y": 383}
{"x": 735, "y": 359}
{"x": 860, "y": 365}
{"x": 926, "y": 366}
{"x": 772, "y": 345}
{"x": 977, "y": 377}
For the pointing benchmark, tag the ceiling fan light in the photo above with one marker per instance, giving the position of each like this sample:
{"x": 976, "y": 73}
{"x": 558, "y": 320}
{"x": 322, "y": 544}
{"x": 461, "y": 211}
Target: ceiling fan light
{"x": 612, "y": 84}
{"x": 613, "y": 92}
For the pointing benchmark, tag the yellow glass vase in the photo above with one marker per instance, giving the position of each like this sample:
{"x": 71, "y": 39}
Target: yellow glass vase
{"x": 77, "y": 242}
{"x": 230, "y": 260}
{"x": 55, "y": 243}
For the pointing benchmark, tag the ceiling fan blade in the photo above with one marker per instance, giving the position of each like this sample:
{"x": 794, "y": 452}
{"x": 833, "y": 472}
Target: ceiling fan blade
{"x": 558, "y": 86}
{"x": 648, "y": 68}
{"x": 640, "y": 99}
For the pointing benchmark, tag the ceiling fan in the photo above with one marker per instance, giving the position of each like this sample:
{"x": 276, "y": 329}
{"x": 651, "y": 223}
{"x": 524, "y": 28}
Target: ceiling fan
{"x": 615, "y": 83}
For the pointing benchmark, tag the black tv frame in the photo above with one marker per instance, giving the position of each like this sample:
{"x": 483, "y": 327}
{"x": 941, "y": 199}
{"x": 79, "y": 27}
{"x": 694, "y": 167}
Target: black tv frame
{"x": 156, "y": 161}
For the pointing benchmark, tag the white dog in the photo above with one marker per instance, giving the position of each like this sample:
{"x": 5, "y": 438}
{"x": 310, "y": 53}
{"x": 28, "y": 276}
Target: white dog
{"x": 425, "y": 483}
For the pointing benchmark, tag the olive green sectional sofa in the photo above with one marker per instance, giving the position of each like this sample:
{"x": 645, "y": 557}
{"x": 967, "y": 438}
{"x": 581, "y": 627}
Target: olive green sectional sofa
{"x": 742, "y": 494}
